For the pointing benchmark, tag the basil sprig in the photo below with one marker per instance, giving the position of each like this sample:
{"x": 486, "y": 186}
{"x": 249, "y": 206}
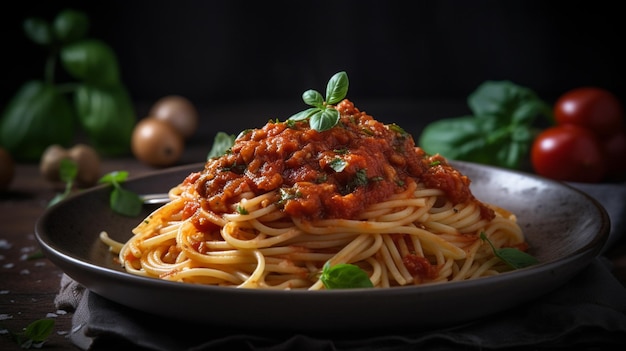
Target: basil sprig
{"x": 321, "y": 116}
{"x": 45, "y": 112}
{"x": 500, "y": 131}
{"x": 122, "y": 201}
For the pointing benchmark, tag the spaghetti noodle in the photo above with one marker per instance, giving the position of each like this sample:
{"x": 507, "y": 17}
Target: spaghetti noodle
{"x": 286, "y": 199}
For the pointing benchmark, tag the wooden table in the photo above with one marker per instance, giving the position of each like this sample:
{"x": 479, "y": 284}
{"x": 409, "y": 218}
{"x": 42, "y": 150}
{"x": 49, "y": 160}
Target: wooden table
{"x": 28, "y": 286}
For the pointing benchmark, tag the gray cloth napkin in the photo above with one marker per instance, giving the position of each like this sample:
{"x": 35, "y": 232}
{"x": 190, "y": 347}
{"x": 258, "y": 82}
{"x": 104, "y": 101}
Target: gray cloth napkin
{"x": 613, "y": 198}
{"x": 588, "y": 312}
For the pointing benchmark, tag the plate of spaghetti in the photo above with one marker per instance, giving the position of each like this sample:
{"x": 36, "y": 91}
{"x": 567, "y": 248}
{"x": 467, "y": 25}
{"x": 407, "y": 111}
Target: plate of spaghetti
{"x": 309, "y": 225}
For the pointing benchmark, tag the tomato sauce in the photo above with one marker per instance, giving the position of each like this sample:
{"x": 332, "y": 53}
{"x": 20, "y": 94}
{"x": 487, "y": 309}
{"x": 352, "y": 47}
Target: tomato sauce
{"x": 336, "y": 173}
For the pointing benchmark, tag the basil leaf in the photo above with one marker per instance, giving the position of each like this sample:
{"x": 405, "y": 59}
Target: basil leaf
{"x": 344, "y": 276}
{"x": 70, "y": 25}
{"x": 514, "y": 258}
{"x": 324, "y": 120}
{"x": 114, "y": 177}
{"x": 91, "y": 61}
{"x": 302, "y": 115}
{"x": 313, "y": 98}
{"x": 221, "y": 144}
{"x": 337, "y": 88}
{"x": 107, "y": 116}
{"x": 38, "y": 30}
{"x": 499, "y": 132}
{"x": 36, "y": 117}
{"x": 458, "y": 138}
{"x": 125, "y": 202}
{"x": 39, "y": 330}
{"x": 68, "y": 170}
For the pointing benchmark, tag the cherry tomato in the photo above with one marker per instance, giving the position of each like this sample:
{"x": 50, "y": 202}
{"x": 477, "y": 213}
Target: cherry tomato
{"x": 615, "y": 151}
{"x": 594, "y": 108}
{"x": 568, "y": 153}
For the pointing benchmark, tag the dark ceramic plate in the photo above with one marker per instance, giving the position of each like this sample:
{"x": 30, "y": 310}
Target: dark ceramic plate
{"x": 565, "y": 227}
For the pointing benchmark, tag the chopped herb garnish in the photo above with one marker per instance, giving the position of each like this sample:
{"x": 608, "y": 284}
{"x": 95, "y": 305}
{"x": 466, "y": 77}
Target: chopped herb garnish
{"x": 235, "y": 168}
{"x": 321, "y": 178}
{"x": 288, "y": 194}
{"x": 242, "y": 210}
{"x": 359, "y": 179}
{"x": 338, "y": 164}
{"x": 396, "y": 128}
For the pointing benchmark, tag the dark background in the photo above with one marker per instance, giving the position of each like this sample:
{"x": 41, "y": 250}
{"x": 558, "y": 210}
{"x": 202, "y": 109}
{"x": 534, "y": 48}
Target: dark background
{"x": 224, "y": 53}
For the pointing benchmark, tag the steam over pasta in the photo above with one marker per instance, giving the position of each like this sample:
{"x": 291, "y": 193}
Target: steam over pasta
{"x": 286, "y": 199}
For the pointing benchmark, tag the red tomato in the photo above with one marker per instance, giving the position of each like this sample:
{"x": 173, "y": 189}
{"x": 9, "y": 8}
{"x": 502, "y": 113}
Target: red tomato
{"x": 615, "y": 151}
{"x": 594, "y": 108}
{"x": 568, "y": 153}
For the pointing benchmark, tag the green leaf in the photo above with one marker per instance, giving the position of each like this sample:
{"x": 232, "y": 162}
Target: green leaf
{"x": 499, "y": 133}
{"x": 322, "y": 117}
{"x": 313, "y": 98}
{"x": 57, "y": 198}
{"x": 68, "y": 169}
{"x": 35, "y": 118}
{"x": 324, "y": 120}
{"x": 459, "y": 138}
{"x": 337, "y": 88}
{"x": 38, "y": 30}
{"x": 344, "y": 276}
{"x": 125, "y": 202}
{"x": 115, "y": 177}
{"x": 70, "y": 25}
{"x": 513, "y": 104}
{"x": 514, "y": 258}
{"x": 122, "y": 201}
{"x": 338, "y": 164}
{"x": 107, "y": 115}
{"x": 39, "y": 330}
{"x": 91, "y": 61}
{"x": 302, "y": 115}
{"x": 222, "y": 143}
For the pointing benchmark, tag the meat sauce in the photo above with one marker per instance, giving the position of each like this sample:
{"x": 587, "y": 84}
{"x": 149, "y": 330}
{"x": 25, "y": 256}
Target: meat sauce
{"x": 336, "y": 173}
